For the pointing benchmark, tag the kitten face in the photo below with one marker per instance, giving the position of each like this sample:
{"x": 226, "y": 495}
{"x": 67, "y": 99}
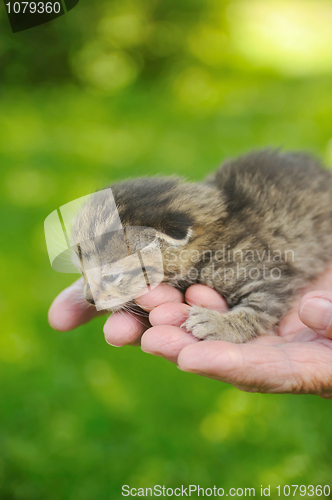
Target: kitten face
{"x": 118, "y": 267}
{"x": 125, "y": 236}
{"x": 112, "y": 286}
{"x": 112, "y": 280}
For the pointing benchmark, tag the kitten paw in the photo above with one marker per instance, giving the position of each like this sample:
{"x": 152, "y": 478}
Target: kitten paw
{"x": 206, "y": 324}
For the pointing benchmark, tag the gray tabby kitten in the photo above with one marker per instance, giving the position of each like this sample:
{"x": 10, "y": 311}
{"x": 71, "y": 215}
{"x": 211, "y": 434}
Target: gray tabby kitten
{"x": 256, "y": 231}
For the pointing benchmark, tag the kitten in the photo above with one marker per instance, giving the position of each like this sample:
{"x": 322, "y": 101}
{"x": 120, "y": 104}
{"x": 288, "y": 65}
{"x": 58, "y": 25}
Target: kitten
{"x": 256, "y": 231}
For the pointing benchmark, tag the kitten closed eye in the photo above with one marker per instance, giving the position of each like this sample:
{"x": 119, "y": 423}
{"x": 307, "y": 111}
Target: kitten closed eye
{"x": 112, "y": 279}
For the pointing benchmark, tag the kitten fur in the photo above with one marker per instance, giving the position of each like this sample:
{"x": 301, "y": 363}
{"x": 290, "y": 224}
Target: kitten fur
{"x": 257, "y": 230}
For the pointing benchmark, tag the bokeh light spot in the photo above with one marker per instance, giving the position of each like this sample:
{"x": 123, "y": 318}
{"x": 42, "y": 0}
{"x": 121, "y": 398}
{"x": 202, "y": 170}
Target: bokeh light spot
{"x": 196, "y": 88}
{"x": 293, "y": 37}
{"x": 106, "y": 71}
{"x": 123, "y": 30}
{"x": 209, "y": 44}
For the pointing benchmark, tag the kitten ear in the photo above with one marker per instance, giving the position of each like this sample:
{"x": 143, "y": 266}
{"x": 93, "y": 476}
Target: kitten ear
{"x": 172, "y": 226}
{"x": 174, "y": 241}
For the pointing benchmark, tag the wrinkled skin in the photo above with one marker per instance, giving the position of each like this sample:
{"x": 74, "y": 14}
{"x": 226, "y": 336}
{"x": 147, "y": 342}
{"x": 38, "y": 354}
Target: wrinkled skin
{"x": 297, "y": 360}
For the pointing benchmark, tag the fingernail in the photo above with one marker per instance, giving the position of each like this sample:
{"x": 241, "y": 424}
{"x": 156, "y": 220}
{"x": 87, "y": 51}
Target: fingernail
{"x": 317, "y": 313}
{"x": 113, "y": 345}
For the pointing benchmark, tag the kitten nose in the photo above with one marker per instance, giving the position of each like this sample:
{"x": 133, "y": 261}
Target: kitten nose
{"x": 88, "y": 295}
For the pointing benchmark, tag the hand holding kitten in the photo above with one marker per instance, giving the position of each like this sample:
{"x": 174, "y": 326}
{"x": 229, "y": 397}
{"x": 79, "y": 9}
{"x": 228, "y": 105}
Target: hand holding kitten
{"x": 298, "y": 360}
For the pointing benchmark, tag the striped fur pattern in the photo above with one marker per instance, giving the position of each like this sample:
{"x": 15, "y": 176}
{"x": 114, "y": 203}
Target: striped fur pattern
{"x": 257, "y": 230}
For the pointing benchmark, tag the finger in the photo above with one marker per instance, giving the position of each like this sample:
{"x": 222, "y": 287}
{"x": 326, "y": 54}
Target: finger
{"x": 327, "y": 395}
{"x": 70, "y": 310}
{"x": 214, "y": 359}
{"x": 123, "y": 328}
{"x": 250, "y": 366}
{"x": 169, "y": 314}
{"x": 290, "y": 323}
{"x": 202, "y": 295}
{"x": 159, "y": 295}
{"x": 166, "y": 341}
{"x": 315, "y": 311}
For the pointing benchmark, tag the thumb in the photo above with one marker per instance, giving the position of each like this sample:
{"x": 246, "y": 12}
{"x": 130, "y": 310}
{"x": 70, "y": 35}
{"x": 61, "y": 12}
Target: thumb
{"x": 315, "y": 311}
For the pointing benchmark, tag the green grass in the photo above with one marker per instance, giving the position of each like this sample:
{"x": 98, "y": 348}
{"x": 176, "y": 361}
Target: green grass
{"x": 79, "y": 418}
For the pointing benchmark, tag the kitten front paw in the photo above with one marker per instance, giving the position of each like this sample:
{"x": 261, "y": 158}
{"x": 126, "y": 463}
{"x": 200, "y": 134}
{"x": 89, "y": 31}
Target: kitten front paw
{"x": 206, "y": 324}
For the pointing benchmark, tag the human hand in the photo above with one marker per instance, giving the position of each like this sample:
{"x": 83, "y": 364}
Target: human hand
{"x": 298, "y": 360}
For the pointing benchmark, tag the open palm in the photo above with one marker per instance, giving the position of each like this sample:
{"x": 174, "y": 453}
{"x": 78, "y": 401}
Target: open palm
{"x": 298, "y": 359}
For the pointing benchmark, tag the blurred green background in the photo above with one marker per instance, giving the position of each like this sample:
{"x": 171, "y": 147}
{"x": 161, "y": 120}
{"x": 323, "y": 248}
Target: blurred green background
{"x": 125, "y": 88}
